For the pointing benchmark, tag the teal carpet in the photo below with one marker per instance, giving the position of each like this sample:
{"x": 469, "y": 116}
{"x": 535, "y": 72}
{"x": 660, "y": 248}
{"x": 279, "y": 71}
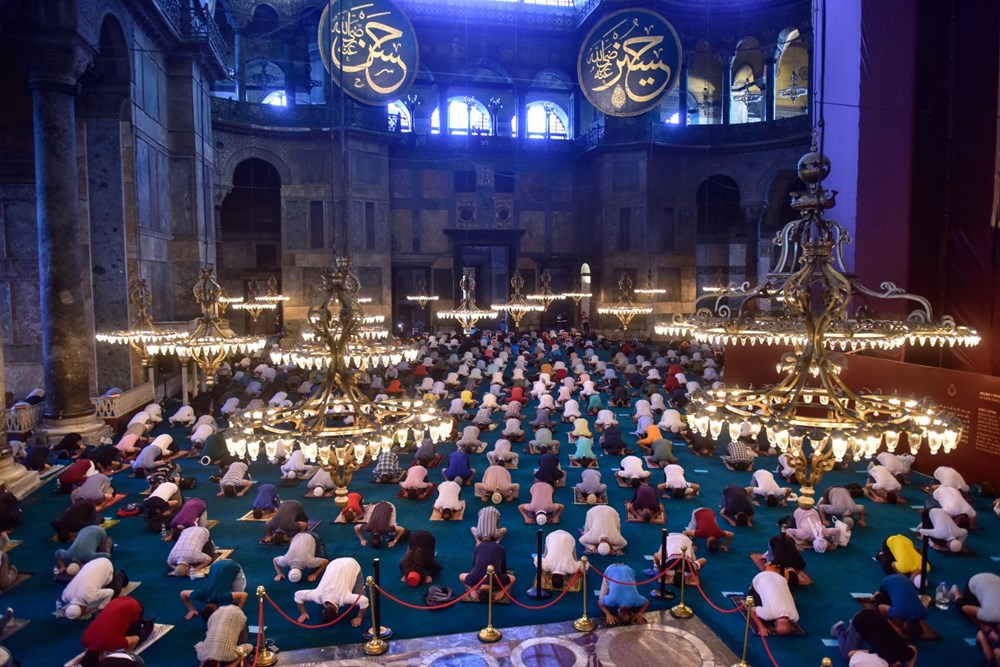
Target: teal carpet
{"x": 48, "y": 641}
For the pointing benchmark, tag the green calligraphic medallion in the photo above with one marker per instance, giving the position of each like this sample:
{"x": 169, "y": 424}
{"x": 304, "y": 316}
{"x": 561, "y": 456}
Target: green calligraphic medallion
{"x": 369, "y": 48}
{"x": 629, "y": 61}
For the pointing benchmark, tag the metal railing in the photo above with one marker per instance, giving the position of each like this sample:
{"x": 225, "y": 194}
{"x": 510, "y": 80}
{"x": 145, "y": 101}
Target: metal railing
{"x": 23, "y": 418}
{"x": 112, "y": 407}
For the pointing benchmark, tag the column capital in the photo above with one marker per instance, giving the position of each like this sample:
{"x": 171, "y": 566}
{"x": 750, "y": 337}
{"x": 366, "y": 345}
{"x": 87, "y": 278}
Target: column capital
{"x": 54, "y": 59}
{"x": 754, "y": 210}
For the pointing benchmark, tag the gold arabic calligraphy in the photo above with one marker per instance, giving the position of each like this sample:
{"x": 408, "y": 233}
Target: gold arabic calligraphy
{"x": 629, "y": 58}
{"x": 368, "y": 46}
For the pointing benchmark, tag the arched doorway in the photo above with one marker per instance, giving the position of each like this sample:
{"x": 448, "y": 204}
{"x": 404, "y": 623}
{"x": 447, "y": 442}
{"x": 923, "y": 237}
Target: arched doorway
{"x": 721, "y": 234}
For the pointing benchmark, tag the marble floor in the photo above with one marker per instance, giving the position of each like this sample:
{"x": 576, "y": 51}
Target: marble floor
{"x": 664, "y": 641}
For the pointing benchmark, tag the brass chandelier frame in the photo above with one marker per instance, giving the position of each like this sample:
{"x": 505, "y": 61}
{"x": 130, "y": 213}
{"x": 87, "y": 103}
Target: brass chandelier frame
{"x": 625, "y": 310}
{"x": 517, "y": 306}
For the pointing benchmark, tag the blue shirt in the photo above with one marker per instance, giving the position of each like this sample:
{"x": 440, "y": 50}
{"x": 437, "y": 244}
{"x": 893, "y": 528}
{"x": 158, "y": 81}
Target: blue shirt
{"x": 458, "y": 466}
{"x": 904, "y": 598}
{"x": 623, "y": 594}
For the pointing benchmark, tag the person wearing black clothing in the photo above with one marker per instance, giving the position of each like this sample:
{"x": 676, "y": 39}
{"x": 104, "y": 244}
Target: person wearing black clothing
{"x": 548, "y": 469}
{"x": 419, "y": 559}
{"x": 486, "y": 554}
{"x": 611, "y": 440}
{"x": 871, "y": 627}
{"x": 619, "y": 395}
{"x": 74, "y": 518}
{"x": 288, "y": 519}
{"x": 71, "y": 445}
{"x": 36, "y": 458}
{"x": 736, "y": 506}
{"x": 202, "y": 403}
{"x": 781, "y": 551}
{"x": 10, "y": 510}
{"x": 106, "y": 458}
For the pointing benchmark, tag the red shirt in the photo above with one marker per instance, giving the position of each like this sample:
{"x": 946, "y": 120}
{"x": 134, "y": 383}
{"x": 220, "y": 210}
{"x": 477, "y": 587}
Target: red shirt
{"x": 354, "y": 503}
{"x": 76, "y": 473}
{"x": 107, "y": 632}
{"x": 705, "y": 524}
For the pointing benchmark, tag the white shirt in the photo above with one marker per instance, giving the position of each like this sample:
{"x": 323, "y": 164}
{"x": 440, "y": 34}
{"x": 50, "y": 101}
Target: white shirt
{"x": 866, "y": 659}
{"x": 602, "y": 522}
{"x": 776, "y": 600}
{"x": 677, "y": 540}
{"x": 675, "y": 477}
{"x": 950, "y": 477}
{"x": 897, "y": 465}
{"x": 336, "y": 586}
{"x": 953, "y": 502}
{"x": 301, "y": 553}
{"x": 765, "y": 484}
{"x": 632, "y": 468}
{"x": 164, "y": 491}
{"x": 513, "y": 427}
{"x": 986, "y": 587}
{"x": 944, "y": 527}
{"x": 884, "y": 481}
{"x": 560, "y": 553}
{"x": 448, "y": 496}
{"x": 85, "y": 587}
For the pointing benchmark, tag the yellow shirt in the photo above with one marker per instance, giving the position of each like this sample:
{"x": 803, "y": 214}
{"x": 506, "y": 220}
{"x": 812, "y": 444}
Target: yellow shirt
{"x": 905, "y": 554}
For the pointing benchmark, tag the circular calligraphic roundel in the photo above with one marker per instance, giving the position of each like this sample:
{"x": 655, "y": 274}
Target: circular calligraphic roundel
{"x": 369, "y": 48}
{"x": 629, "y": 61}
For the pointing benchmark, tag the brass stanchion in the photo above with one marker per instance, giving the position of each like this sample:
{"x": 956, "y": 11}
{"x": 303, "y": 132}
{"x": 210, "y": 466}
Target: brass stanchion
{"x": 681, "y": 610}
{"x": 826, "y": 663}
{"x": 489, "y": 633}
{"x": 265, "y": 657}
{"x": 584, "y": 624}
{"x": 376, "y": 602}
{"x": 748, "y": 605}
{"x": 376, "y": 645}
{"x": 662, "y": 593}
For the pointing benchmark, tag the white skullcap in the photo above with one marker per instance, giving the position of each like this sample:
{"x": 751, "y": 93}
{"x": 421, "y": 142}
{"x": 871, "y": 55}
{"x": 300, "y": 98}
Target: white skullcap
{"x": 295, "y": 574}
{"x": 73, "y": 611}
{"x": 604, "y": 548}
{"x": 541, "y": 519}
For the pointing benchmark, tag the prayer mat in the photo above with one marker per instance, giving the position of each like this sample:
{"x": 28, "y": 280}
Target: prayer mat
{"x": 615, "y": 551}
{"x": 580, "y": 498}
{"x": 210, "y": 524}
{"x": 12, "y": 627}
{"x": 966, "y": 551}
{"x": 547, "y": 583}
{"x": 118, "y": 470}
{"x": 249, "y": 516}
{"x": 361, "y": 519}
{"x": 627, "y": 483}
{"x": 573, "y": 463}
{"x": 660, "y": 518}
{"x": 51, "y": 473}
{"x": 21, "y": 578}
{"x": 457, "y": 516}
{"x": 328, "y": 493}
{"x": 111, "y": 501}
{"x": 424, "y": 495}
{"x": 395, "y": 480}
{"x": 737, "y": 600}
{"x": 294, "y": 481}
{"x": 761, "y": 563}
{"x": 10, "y": 546}
{"x": 310, "y": 527}
{"x": 879, "y": 499}
{"x": 468, "y": 597}
{"x": 87, "y": 615}
{"x": 239, "y": 494}
{"x": 690, "y": 578}
{"x": 552, "y": 448}
{"x": 926, "y": 631}
{"x": 433, "y": 463}
{"x": 146, "y": 492}
{"x": 560, "y": 483}
{"x": 654, "y": 464}
{"x": 159, "y": 629}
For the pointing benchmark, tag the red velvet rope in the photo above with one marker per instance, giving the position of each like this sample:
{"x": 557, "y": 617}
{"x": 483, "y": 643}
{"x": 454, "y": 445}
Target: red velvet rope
{"x": 637, "y": 583}
{"x": 565, "y": 590}
{"x": 763, "y": 640}
{"x": 710, "y": 604}
{"x": 294, "y": 621}
{"x": 423, "y": 607}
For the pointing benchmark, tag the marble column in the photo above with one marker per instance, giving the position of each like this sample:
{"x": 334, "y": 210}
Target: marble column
{"x": 771, "y": 79}
{"x": 14, "y": 476}
{"x": 443, "y": 123}
{"x": 727, "y": 85}
{"x": 54, "y": 67}
{"x": 240, "y": 63}
{"x": 682, "y": 91}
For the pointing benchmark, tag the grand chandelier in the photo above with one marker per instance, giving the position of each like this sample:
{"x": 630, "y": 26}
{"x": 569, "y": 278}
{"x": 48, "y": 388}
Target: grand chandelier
{"x": 625, "y": 310}
{"x": 746, "y": 96}
{"x": 651, "y": 291}
{"x": 517, "y": 306}
{"x": 422, "y": 297}
{"x": 143, "y": 332}
{"x": 338, "y": 426}
{"x": 577, "y": 294}
{"x": 255, "y": 303}
{"x": 794, "y": 91}
{"x": 209, "y": 339}
{"x": 467, "y": 313}
{"x": 545, "y": 295}
{"x": 811, "y": 415}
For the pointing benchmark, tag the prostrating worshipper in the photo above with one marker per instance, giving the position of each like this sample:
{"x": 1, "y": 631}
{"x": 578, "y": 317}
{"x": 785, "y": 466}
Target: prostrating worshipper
{"x": 899, "y": 555}
{"x": 164, "y": 499}
{"x": 306, "y": 553}
{"x": 651, "y": 435}
{"x": 487, "y": 528}
{"x": 632, "y": 468}
{"x": 810, "y": 531}
{"x": 70, "y": 446}
{"x": 483, "y": 418}
{"x": 619, "y": 600}
{"x": 611, "y": 440}
{"x": 644, "y": 505}
{"x": 202, "y": 433}
{"x": 266, "y": 501}
{"x": 183, "y": 417}
{"x": 739, "y": 455}
{"x": 502, "y": 455}
{"x": 662, "y": 451}
{"x": 897, "y": 464}
{"x": 194, "y": 512}
{"x": 106, "y": 458}
{"x": 457, "y": 409}
{"x": 786, "y": 471}
{"x": 458, "y": 469}
{"x": 768, "y": 489}
{"x": 958, "y": 508}
{"x": 783, "y": 554}
{"x": 571, "y": 411}
{"x": 513, "y": 410}
{"x": 899, "y": 599}
{"x": 837, "y": 501}
{"x": 883, "y": 483}
{"x": 470, "y": 441}
{"x": 354, "y": 508}
{"x": 488, "y": 553}
{"x": 419, "y": 565}
{"x": 75, "y": 518}
{"x": 980, "y": 601}
{"x": 147, "y": 459}
{"x": 91, "y": 542}
{"x": 559, "y": 558}
{"x": 225, "y": 584}
{"x": 91, "y": 588}
{"x": 76, "y": 474}
{"x": 676, "y": 485}
{"x": 194, "y": 548}
{"x": 703, "y": 525}
{"x": 584, "y": 454}
{"x": 321, "y": 480}
{"x": 948, "y": 476}
{"x": 773, "y": 602}
{"x": 415, "y": 483}
{"x": 542, "y": 508}
{"x": 386, "y": 469}
{"x": 869, "y": 627}
{"x": 37, "y": 457}
{"x": 96, "y": 488}
{"x": 236, "y": 481}
{"x": 543, "y": 419}
{"x": 517, "y": 396}
{"x": 543, "y": 438}
{"x": 736, "y": 506}
{"x": 512, "y": 430}
{"x": 290, "y": 518}
{"x": 119, "y": 627}
{"x": 605, "y": 418}
{"x": 225, "y": 637}
{"x": 381, "y": 523}
{"x": 296, "y": 465}
{"x": 675, "y": 542}
{"x": 602, "y": 530}
{"x": 549, "y": 469}
{"x": 581, "y": 429}
{"x": 590, "y": 484}
{"x": 496, "y": 485}
{"x": 943, "y": 533}
{"x": 425, "y": 453}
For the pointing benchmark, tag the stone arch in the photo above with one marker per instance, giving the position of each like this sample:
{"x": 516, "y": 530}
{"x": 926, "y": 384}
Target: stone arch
{"x": 779, "y": 210}
{"x": 478, "y": 71}
{"x": 227, "y": 163}
{"x": 719, "y": 212}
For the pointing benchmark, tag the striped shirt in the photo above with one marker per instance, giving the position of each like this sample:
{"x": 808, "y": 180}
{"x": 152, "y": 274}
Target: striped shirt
{"x": 235, "y": 474}
{"x": 225, "y": 628}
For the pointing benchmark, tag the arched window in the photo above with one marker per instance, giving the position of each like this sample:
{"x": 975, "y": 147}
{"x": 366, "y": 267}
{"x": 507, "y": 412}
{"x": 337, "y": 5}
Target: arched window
{"x": 275, "y": 98}
{"x": 399, "y": 117}
{"x": 546, "y": 120}
{"x": 466, "y": 115}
